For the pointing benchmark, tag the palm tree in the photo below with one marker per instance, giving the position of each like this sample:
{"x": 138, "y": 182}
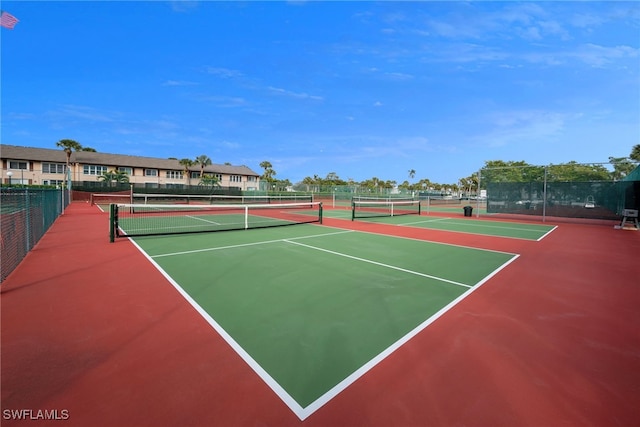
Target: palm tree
{"x": 203, "y": 160}
{"x": 209, "y": 181}
{"x": 114, "y": 176}
{"x": 412, "y": 173}
{"x": 269, "y": 173}
{"x": 69, "y": 145}
{"x": 635, "y": 152}
{"x": 187, "y": 163}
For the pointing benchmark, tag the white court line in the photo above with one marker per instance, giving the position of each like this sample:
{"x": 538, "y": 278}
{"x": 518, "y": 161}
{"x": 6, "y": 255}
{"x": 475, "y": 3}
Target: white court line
{"x": 202, "y": 219}
{"x": 481, "y": 224}
{"x": 304, "y": 412}
{"x": 342, "y": 385}
{"x": 547, "y": 233}
{"x": 425, "y": 221}
{"x": 217, "y": 248}
{"x": 435, "y": 242}
{"x": 380, "y": 264}
{"x": 469, "y": 232}
{"x": 264, "y": 375}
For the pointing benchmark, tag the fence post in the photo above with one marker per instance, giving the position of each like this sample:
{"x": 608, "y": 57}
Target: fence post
{"x": 478, "y": 194}
{"x": 28, "y": 219}
{"x": 544, "y": 197}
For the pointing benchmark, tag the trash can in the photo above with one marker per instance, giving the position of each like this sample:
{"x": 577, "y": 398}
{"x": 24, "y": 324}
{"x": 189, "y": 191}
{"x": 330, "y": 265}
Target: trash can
{"x": 468, "y": 210}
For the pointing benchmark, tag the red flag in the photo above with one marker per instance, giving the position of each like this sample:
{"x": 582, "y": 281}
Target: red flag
{"x": 7, "y": 20}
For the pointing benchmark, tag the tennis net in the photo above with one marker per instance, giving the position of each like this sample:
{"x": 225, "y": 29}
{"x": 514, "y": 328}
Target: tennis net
{"x": 109, "y": 198}
{"x": 128, "y": 220}
{"x": 396, "y": 198}
{"x": 370, "y": 209}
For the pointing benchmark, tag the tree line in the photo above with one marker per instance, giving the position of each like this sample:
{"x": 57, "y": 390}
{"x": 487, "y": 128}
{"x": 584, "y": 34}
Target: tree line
{"x": 492, "y": 171}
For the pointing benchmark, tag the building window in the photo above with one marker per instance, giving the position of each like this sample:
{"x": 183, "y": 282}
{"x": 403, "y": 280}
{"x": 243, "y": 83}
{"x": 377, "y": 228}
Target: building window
{"x": 56, "y": 182}
{"x": 151, "y": 172}
{"x": 235, "y": 178}
{"x": 94, "y": 170}
{"x": 53, "y": 168}
{"x": 218, "y": 176}
{"x": 195, "y": 175}
{"x": 126, "y": 170}
{"x": 252, "y": 179}
{"x": 15, "y": 164}
{"x": 174, "y": 174}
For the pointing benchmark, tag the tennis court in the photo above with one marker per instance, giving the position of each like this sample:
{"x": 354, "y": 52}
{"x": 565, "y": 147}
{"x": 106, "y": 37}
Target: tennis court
{"x": 312, "y": 308}
{"x": 413, "y": 218}
{"x": 342, "y": 323}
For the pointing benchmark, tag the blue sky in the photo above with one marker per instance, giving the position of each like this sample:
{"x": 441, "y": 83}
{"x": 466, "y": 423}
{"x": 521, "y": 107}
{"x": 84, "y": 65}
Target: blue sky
{"x": 362, "y": 89}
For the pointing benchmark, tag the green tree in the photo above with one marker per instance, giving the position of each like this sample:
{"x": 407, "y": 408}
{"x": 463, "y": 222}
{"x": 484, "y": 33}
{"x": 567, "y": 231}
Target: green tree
{"x": 68, "y": 146}
{"x": 372, "y": 184}
{"x": 412, "y": 173}
{"x": 510, "y": 171}
{"x": 622, "y": 166}
{"x": 269, "y": 173}
{"x": 469, "y": 185}
{"x": 310, "y": 184}
{"x": 203, "y": 160}
{"x": 635, "y": 153}
{"x": 389, "y": 184}
{"x": 209, "y": 181}
{"x": 332, "y": 179}
{"x": 423, "y": 185}
{"x": 114, "y": 176}
{"x": 186, "y": 164}
{"x": 281, "y": 184}
{"x": 573, "y": 171}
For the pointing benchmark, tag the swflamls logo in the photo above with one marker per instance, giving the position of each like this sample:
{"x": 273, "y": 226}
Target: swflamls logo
{"x": 35, "y": 414}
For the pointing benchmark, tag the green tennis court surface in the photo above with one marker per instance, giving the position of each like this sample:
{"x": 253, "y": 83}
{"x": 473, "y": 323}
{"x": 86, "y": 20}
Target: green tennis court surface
{"x": 463, "y": 225}
{"x": 312, "y": 308}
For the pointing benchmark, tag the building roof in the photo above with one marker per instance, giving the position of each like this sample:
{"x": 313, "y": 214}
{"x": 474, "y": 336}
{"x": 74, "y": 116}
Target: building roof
{"x": 115, "y": 160}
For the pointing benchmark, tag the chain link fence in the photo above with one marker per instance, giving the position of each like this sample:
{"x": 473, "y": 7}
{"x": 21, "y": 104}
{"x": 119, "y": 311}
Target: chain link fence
{"x": 539, "y": 192}
{"x": 25, "y": 215}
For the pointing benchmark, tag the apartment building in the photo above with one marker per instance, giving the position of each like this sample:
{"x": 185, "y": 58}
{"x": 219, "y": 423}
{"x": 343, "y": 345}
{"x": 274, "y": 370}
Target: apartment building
{"x": 27, "y": 165}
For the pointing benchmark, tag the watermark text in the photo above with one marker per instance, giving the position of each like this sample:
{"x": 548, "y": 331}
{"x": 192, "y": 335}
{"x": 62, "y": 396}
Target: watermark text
{"x": 35, "y": 414}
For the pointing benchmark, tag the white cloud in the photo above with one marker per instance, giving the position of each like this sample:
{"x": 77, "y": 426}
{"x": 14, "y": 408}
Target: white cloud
{"x": 183, "y": 5}
{"x": 467, "y": 52}
{"x": 226, "y": 73}
{"x": 524, "y": 126}
{"x": 590, "y": 54}
{"x": 224, "y": 101}
{"x": 299, "y": 95}
{"x": 599, "y": 56}
{"x": 178, "y": 83}
{"x": 22, "y": 116}
{"x": 79, "y": 112}
{"x": 398, "y": 76}
{"x": 230, "y": 145}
